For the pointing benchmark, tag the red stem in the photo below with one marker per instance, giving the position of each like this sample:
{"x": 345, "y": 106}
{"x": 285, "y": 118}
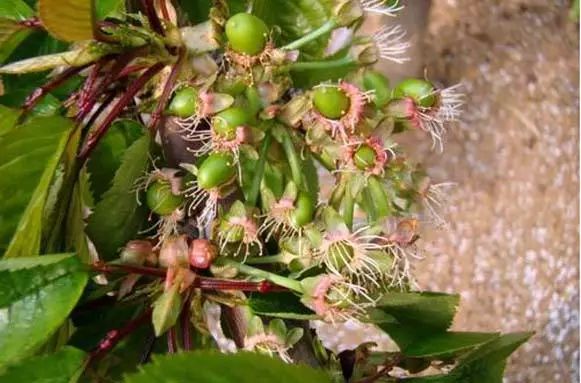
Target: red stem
{"x": 94, "y": 94}
{"x": 108, "y": 100}
{"x": 135, "y": 87}
{"x": 150, "y": 271}
{"x": 115, "y": 336}
{"x": 151, "y": 14}
{"x": 33, "y": 22}
{"x": 130, "y": 69}
{"x": 171, "y": 340}
{"x": 185, "y": 324}
{"x": 204, "y": 283}
{"x": 85, "y": 92}
{"x": 167, "y": 89}
{"x": 57, "y": 81}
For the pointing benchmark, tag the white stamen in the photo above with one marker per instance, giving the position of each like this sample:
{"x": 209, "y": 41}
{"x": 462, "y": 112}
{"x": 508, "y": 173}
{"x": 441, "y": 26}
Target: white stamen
{"x": 435, "y": 199}
{"x": 379, "y": 7}
{"x": 391, "y": 44}
{"x": 449, "y": 106}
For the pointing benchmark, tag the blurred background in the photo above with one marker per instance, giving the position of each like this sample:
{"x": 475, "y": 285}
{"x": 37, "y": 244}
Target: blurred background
{"x": 512, "y": 245}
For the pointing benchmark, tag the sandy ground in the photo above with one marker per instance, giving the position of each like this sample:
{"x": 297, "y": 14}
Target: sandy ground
{"x": 511, "y": 248}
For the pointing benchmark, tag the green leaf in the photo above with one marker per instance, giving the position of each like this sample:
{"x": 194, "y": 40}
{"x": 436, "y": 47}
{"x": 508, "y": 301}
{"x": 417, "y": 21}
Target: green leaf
{"x": 64, "y": 366}
{"x": 18, "y": 87}
{"x": 413, "y": 316}
{"x": 76, "y": 57}
{"x": 15, "y": 10}
{"x": 447, "y": 344}
{"x": 280, "y": 305}
{"x": 107, "y": 156}
{"x": 166, "y": 309}
{"x": 75, "y": 236}
{"x": 8, "y": 118}
{"x": 484, "y": 365}
{"x": 117, "y": 218}
{"x": 214, "y": 367}
{"x": 12, "y": 33}
{"x": 68, "y": 20}
{"x": 29, "y": 155}
{"x": 435, "y": 310}
{"x": 497, "y": 350}
{"x": 36, "y": 296}
{"x": 110, "y": 8}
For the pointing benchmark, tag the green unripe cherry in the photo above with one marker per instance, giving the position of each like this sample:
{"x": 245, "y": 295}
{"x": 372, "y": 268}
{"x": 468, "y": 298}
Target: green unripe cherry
{"x": 226, "y": 122}
{"x": 184, "y": 103}
{"x": 421, "y": 91}
{"x": 331, "y": 102}
{"x": 379, "y": 84}
{"x": 216, "y": 170}
{"x": 364, "y": 157}
{"x": 304, "y": 210}
{"x": 161, "y": 200}
{"x": 246, "y": 33}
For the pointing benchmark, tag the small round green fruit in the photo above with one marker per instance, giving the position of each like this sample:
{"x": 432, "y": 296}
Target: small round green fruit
{"x": 161, "y": 200}
{"x": 246, "y": 33}
{"x": 184, "y": 102}
{"x": 331, "y": 102}
{"x": 216, "y": 170}
{"x": 421, "y": 91}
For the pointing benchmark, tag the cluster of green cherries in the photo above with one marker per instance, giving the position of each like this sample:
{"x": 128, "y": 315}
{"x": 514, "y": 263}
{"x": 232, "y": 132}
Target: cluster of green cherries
{"x": 247, "y": 35}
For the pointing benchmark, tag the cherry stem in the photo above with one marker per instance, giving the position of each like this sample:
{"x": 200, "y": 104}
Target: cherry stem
{"x": 313, "y": 35}
{"x": 204, "y": 283}
{"x": 329, "y": 64}
{"x": 167, "y": 90}
{"x": 265, "y": 260}
{"x": 279, "y": 280}
{"x": 259, "y": 172}
{"x": 115, "y": 336}
{"x": 348, "y": 207}
{"x": 57, "y": 81}
{"x": 135, "y": 87}
{"x": 292, "y": 157}
{"x": 151, "y": 14}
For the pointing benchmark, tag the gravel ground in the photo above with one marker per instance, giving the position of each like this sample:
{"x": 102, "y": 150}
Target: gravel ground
{"x": 511, "y": 248}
